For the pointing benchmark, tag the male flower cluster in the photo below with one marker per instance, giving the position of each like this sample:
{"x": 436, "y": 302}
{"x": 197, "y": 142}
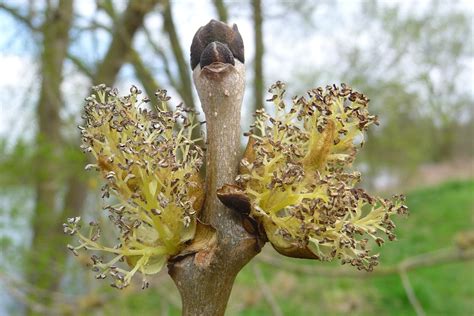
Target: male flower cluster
{"x": 296, "y": 175}
{"x": 151, "y": 168}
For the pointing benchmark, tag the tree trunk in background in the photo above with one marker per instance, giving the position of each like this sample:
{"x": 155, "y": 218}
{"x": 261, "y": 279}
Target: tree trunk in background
{"x": 258, "y": 80}
{"x": 42, "y": 269}
{"x": 122, "y": 37}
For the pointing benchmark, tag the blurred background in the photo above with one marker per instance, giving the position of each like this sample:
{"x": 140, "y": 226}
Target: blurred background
{"x": 413, "y": 59}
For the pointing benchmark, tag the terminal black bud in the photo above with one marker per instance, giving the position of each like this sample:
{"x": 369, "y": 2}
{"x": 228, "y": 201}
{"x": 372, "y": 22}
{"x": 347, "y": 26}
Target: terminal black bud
{"x": 216, "y": 31}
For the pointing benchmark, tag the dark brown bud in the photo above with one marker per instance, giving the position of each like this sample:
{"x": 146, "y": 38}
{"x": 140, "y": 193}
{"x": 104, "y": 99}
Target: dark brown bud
{"x": 216, "y": 31}
{"x": 234, "y": 197}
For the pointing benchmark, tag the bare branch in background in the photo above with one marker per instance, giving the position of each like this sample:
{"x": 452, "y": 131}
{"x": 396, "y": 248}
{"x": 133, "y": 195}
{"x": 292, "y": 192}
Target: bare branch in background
{"x": 65, "y": 304}
{"x": 143, "y": 74}
{"x": 165, "y": 309}
{"x": 31, "y": 304}
{"x": 122, "y": 36}
{"x": 80, "y": 65}
{"x": 141, "y": 71}
{"x": 24, "y": 19}
{"x": 159, "y": 51}
{"x": 94, "y": 25}
{"x": 266, "y": 291}
{"x": 61, "y": 304}
{"x": 185, "y": 76}
{"x": 429, "y": 259}
{"x": 107, "y": 6}
{"x": 221, "y": 10}
{"x": 411, "y": 293}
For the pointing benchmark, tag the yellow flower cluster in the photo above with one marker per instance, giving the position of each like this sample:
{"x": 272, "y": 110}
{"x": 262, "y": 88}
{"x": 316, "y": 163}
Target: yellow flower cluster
{"x": 151, "y": 167}
{"x": 296, "y": 174}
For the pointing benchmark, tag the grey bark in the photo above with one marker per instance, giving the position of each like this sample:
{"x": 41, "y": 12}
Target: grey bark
{"x": 205, "y": 279}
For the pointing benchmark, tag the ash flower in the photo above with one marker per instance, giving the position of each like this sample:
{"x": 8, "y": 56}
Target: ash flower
{"x": 296, "y": 173}
{"x": 151, "y": 167}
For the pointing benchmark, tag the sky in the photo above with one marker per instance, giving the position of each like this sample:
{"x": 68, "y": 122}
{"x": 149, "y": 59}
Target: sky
{"x": 20, "y": 72}
{"x": 291, "y": 50}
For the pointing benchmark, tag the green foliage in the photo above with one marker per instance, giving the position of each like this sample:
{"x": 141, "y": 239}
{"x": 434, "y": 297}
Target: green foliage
{"x": 19, "y": 166}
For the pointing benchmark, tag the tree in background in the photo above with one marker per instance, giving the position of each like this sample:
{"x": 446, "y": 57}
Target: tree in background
{"x": 51, "y": 183}
{"x": 430, "y": 100}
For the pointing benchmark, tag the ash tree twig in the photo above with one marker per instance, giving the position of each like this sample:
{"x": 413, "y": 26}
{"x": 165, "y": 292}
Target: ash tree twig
{"x": 294, "y": 187}
{"x": 205, "y": 279}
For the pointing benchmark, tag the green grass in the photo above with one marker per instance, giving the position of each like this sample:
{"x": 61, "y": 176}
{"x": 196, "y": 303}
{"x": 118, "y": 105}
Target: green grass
{"x": 437, "y": 214}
